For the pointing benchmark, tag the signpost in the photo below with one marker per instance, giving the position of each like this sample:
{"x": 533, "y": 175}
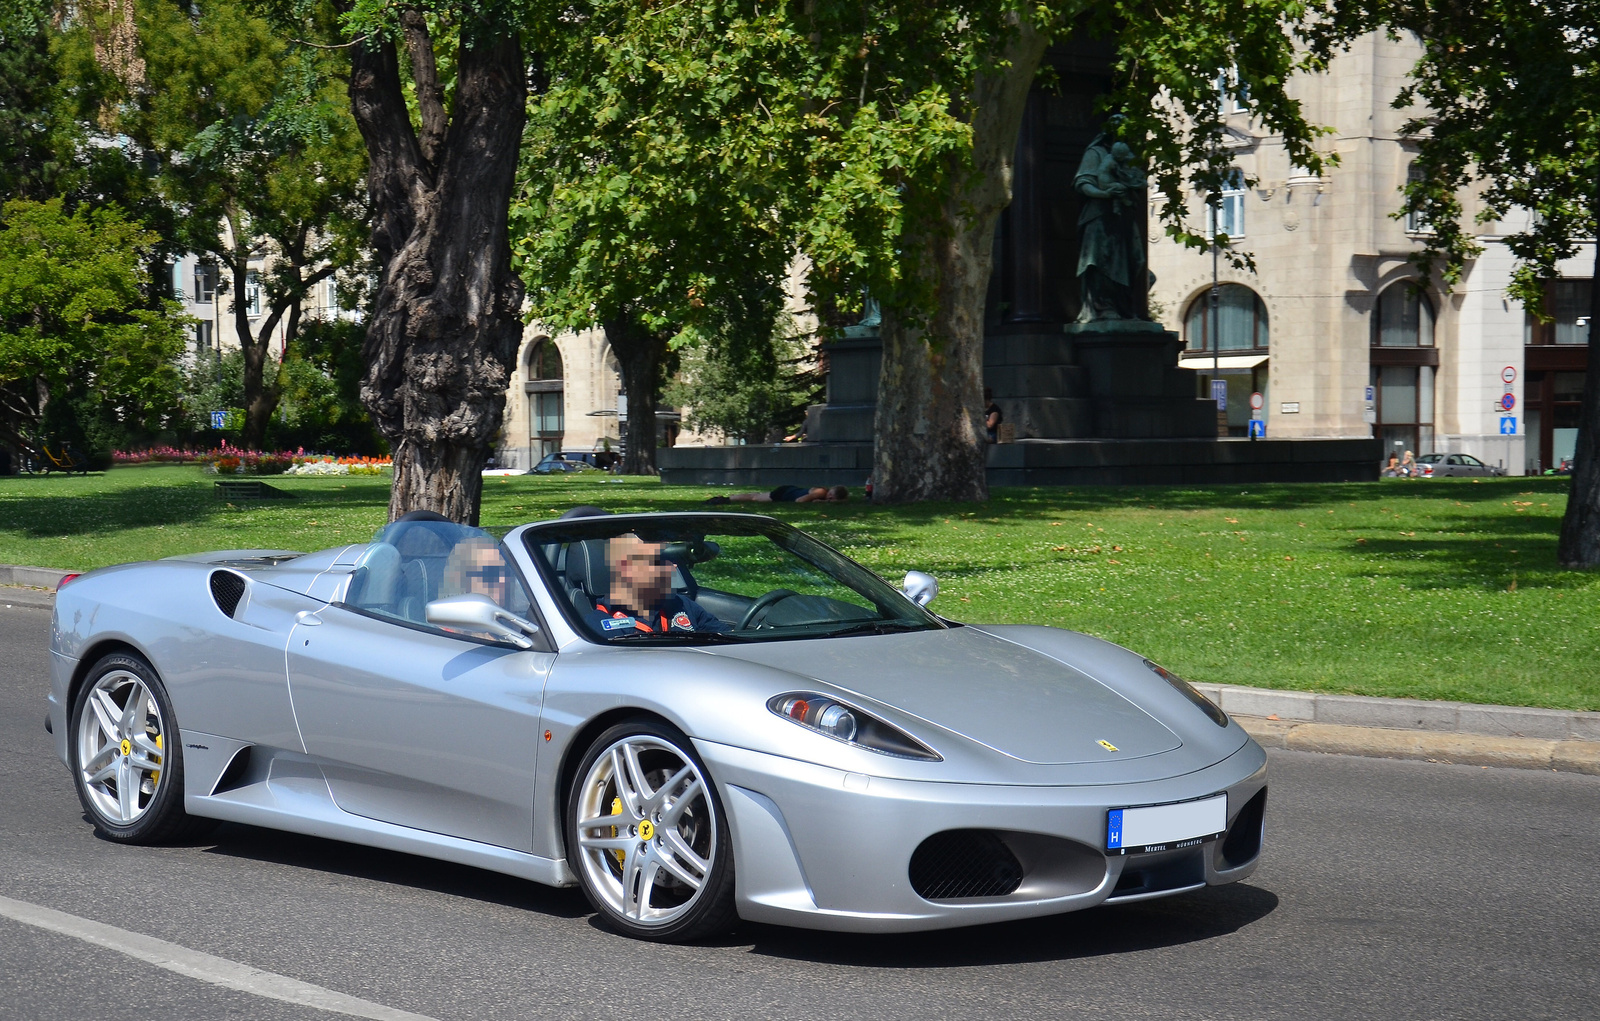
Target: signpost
{"x": 1508, "y": 401}
{"x": 1258, "y": 429}
{"x": 1508, "y": 425}
{"x": 1509, "y": 374}
{"x": 218, "y": 419}
{"x": 1257, "y": 402}
{"x": 1219, "y": 393}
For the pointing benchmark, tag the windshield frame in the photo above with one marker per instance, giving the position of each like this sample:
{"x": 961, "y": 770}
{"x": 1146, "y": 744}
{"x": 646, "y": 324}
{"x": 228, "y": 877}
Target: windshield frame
{"x": 797, "y": 543}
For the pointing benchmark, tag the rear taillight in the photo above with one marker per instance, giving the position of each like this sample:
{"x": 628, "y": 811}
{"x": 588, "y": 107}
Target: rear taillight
{"x": 66, "y": 578}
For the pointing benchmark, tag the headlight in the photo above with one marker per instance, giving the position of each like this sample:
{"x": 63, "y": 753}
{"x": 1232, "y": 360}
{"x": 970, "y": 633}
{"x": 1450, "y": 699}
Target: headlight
{"x": 1189, "y": 692}
{"x": 848, "y": 724}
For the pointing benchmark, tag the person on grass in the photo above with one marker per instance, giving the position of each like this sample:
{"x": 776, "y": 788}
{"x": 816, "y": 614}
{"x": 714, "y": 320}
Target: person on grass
{"x": 788, "y": 494}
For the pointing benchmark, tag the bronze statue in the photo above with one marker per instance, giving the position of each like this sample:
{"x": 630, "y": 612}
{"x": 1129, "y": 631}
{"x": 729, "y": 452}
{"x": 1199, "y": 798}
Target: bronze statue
{"x": 1112, "y": 270}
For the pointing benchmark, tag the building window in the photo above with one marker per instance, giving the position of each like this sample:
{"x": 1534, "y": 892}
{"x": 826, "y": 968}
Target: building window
{"x": 546, "y": 416}
{"x": 1241, "y": 320}
{"x": 1227, "y": 216}
{"x": 1403, "y": 318}
{"x": 252, "y": 294}
{"x": 1569, "y": 305}
{"x": 1233, "y": 96}
{"x": 1416, "y": 222}
{"x": 205, "y": 283}
{"x": 203, "y": 336}
{"x": 1405, "y": 408}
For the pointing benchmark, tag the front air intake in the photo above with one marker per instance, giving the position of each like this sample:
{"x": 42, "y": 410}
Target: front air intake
{"x": 227, "y": 589}
{"x": 964, "y": 863}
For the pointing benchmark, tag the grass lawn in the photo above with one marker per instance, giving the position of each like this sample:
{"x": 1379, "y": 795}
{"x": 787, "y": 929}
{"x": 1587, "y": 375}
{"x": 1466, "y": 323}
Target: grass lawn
{"x": 1426, "y": 589}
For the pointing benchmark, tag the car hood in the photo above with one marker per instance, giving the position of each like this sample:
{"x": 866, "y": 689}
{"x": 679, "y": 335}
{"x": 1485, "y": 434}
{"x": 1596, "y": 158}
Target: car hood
{"x": 1013, "y": 699}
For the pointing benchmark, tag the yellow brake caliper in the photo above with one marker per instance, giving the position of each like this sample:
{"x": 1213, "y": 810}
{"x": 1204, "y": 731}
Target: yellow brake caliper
{"x": 155, "y": 775}
{"x": 616, "y": 809}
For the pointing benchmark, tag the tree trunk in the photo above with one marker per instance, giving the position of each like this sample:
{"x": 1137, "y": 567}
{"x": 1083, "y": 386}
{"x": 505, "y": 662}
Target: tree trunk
{"x": 1579, "y": 546}
{"x": 639, "y": 353}
{"x": 446, "y": 321}
{"x": 928, "y": 433}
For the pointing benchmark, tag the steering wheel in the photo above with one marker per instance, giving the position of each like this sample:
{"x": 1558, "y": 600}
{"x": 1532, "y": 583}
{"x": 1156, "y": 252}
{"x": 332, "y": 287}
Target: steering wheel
{"x": 764, "y": 603}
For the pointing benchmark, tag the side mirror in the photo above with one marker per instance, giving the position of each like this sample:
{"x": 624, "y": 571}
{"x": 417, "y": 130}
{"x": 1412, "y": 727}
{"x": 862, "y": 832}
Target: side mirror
{"x": 920, "y": 588}
{"x": 473, "y": 611}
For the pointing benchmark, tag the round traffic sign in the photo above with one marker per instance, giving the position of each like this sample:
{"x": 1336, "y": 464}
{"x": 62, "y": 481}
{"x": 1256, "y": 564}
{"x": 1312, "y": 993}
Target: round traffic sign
{"x": 1257, "y": 402}
{"x": 1508, "y": 402}
{"x": 1509, "y": 374}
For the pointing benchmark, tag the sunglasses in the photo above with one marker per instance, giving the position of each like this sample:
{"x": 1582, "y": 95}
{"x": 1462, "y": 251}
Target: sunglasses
{"x": 492, "y": 575}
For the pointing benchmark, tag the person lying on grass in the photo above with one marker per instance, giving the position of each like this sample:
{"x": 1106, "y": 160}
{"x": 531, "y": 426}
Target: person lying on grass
{"x": 788, "y": 494}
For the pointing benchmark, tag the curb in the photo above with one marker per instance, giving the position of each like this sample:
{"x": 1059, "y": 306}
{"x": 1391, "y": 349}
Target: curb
{"x": 1405, "y": 714}
{"x": 32, "y": 598}
{"x": 1430, "y": 746}
{"x": 33, "y": 587}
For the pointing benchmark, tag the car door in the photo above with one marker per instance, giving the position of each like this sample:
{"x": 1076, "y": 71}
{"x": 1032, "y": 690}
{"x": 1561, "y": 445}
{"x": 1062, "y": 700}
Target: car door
{"x": 1472, "y": 466}
{"x": 1453, "y": 465}
{"x": 418, "y": 727}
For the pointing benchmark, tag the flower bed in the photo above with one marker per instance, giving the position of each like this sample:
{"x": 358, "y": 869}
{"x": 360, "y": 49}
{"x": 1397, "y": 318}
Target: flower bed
{"x": 234, "y": 461}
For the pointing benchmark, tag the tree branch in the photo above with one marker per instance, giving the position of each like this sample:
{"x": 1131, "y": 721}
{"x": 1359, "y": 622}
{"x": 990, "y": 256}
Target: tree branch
{"x": 425, "y": 73}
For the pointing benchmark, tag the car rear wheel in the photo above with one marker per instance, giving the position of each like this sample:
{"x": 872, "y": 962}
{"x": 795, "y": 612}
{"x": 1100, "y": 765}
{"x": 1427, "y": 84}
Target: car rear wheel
{"x": 647, "y": 836}
{"x": 125, "y": 753}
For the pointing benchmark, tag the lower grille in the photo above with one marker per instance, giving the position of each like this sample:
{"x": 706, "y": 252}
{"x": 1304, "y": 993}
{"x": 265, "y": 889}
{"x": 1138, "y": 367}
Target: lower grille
{"x": 964, "y": 863}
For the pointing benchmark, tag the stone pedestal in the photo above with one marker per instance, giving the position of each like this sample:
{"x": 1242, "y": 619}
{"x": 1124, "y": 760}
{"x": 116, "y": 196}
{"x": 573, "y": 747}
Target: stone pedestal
{"x": 853, "y": 364}
{"x": 1135, "y": 387}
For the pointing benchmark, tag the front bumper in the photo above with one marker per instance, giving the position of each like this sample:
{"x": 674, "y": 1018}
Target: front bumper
{"x": 822, "y": 849}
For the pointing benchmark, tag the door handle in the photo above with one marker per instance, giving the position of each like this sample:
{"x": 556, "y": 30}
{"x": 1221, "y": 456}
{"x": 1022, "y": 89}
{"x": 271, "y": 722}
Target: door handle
{"x": 308, "y": 618}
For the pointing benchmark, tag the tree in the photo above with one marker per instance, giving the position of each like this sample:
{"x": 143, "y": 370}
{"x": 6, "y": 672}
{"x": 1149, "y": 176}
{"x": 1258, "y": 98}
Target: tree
{"x": 31, "y": 124}
{"x": 253, "y": 149}
{"x": 879, "y": 141}
{"x": 438, "y": 89}
{"x": 1512, "y": 93}
{"x": 746, "y": 385}
{"x": 74, "y": 319}
{"x": 652, "y": 187}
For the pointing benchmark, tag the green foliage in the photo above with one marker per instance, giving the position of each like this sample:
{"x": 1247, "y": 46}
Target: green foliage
{"x": 748, "y": 385}
{"x": 31, "y": 124}
{"x": 321, "y": 385}
{"x": 1512, "y": 93}
{"x": 75, "y": 322}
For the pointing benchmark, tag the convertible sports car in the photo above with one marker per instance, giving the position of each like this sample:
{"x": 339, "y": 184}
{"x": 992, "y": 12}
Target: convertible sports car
{"x": 694, "y": 716}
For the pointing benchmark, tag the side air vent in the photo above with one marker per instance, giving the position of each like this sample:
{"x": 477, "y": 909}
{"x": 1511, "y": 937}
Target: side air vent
{"x": 234, "y": 775}
{"x": 227, "y": 589}
{"x": 964, "y": 863}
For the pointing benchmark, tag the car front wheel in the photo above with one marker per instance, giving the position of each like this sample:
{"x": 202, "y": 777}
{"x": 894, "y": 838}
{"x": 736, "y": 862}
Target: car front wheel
{"x": 647, "y": 836}
{"x": 126, "y": 762}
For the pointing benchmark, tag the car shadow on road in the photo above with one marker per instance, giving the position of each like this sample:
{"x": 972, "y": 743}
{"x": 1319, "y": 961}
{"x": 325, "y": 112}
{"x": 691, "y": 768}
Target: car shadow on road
{"x": 394, "y": 867}
{"x": 1096, "y": 932}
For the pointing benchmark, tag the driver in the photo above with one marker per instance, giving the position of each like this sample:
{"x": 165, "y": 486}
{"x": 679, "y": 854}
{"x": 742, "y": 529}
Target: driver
{"x": 641, "y": 596}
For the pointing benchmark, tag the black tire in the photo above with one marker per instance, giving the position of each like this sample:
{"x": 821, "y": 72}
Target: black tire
{"x": 708, "y": 910}
{"x": 159, "y": 816}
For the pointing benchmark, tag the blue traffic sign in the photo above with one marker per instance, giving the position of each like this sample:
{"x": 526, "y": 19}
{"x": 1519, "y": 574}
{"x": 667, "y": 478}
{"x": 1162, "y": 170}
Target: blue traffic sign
{"x": 1508, "y": 425}
{"x": 1372, "y": 393}
{"x": 218, "y": 419}
{"x": 1219, "y": 393}
{"x": 1508, "y": 402}
{"x": 1258, "y": 428}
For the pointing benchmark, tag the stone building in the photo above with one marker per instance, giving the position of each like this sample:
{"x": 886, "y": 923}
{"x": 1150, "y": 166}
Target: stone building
{"x": 1334, "y": 328}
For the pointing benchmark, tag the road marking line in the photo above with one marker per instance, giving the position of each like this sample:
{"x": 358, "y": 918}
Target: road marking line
{"x": 219, "y": 971}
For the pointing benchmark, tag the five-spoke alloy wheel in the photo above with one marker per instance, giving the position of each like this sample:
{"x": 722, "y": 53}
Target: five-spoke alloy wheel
{"x": 125, "y": 755}
{"x": 647, "y": 836}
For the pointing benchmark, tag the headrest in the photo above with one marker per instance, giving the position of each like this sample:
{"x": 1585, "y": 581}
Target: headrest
{"x": 586, "y": 567}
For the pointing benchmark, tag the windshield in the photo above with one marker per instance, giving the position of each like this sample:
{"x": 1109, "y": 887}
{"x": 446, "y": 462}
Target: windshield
{"x": 707, "y": 578}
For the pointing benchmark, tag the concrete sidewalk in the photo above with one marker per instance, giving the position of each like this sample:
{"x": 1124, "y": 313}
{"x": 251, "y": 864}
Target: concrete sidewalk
{"x": 1394, "y": 728}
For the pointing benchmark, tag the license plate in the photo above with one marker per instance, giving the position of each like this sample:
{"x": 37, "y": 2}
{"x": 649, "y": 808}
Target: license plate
{"x": 1166, "y": 827}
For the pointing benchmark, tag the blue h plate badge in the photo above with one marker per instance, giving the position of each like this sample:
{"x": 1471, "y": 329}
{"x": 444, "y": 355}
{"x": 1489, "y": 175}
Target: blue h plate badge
{"x": 1166, "y": 827}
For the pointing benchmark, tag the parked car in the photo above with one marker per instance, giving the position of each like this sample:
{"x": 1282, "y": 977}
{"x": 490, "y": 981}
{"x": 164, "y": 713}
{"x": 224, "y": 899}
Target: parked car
{"x": 694, "y": 717}
{"x": 1434, "y": 465}
{"x": 565, "y": 461}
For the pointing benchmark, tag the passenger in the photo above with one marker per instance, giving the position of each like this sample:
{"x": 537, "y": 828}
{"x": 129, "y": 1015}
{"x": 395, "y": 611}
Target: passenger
{"x": 641, "y": 597}
{"x": 477, "y": 565}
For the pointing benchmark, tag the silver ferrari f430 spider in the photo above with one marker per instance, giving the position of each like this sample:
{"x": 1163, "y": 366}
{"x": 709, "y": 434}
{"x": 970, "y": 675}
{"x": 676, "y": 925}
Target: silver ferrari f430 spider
{"x": 697, "y": 717}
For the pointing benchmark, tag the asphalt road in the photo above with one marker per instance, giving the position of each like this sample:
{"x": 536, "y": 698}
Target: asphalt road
{"x": 1390, "y": 890}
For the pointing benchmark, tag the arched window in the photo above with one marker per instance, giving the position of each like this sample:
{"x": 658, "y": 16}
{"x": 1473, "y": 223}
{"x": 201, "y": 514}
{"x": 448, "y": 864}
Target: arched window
{"x": 546, "y": 419}
{"x": 1241, "y": 321}
{"x": 1403, "y": 317}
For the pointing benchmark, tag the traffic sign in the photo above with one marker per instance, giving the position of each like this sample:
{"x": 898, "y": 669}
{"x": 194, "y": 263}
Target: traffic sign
{"x": 218, "y": 419}
{"x": 1508, "y": 425}
{"x": 1219, "y": 393}
{"x": 1258, "y": 428}
{"x": 1372, "y": 393}
{"x": 1509, "y": 374}
{"x": 1508, "y": 401}
{"x": 1257, "y": 402}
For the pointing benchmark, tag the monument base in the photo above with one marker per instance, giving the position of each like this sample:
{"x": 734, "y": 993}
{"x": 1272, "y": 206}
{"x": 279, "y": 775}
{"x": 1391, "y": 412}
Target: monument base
{"x": 1091, "y": 462}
